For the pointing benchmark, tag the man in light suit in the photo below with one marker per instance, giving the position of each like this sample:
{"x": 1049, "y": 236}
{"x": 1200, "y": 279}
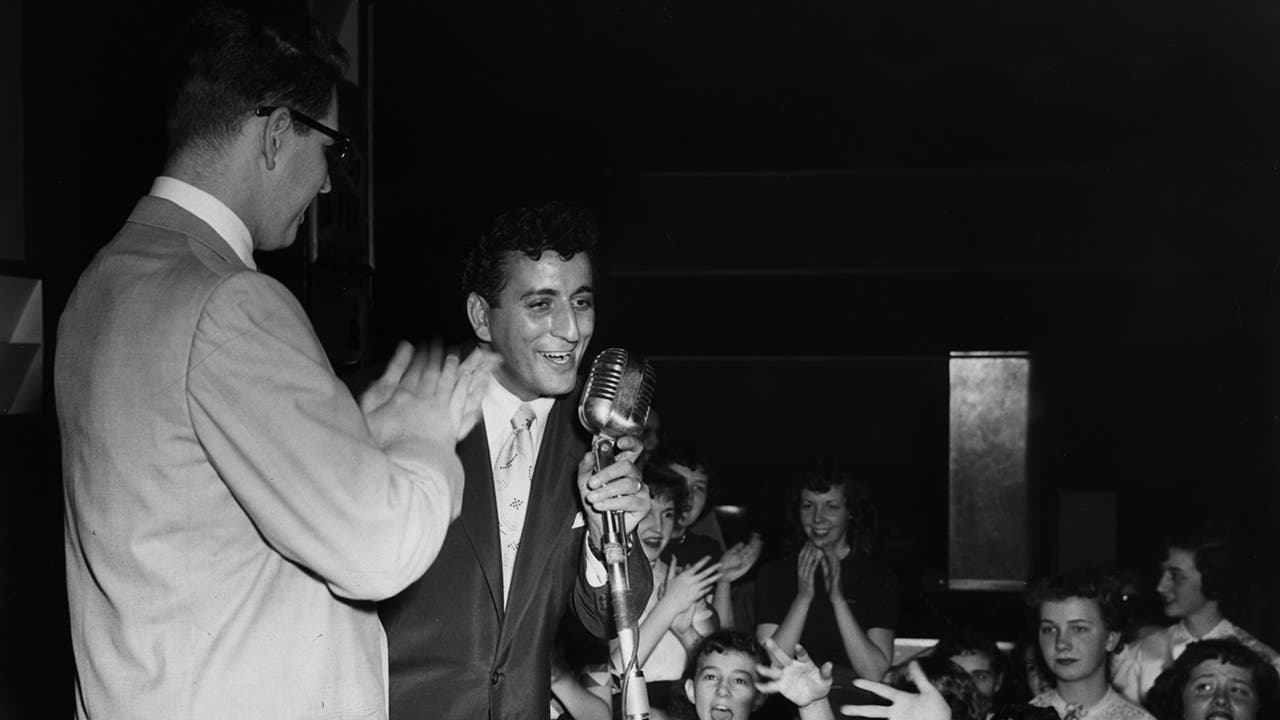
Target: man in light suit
{"x": 231, "y": 513}
{"x": 473, "y": 637}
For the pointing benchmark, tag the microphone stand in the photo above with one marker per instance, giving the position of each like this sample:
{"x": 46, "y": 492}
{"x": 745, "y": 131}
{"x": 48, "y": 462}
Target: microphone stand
{"x": 635, "y": 695}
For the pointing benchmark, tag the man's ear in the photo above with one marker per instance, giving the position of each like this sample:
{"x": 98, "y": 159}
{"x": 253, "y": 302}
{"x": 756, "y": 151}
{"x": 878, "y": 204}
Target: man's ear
{"x": 279, "y": 122}
{"x": 478, "y": 314}
{"x": 688, "y": 689}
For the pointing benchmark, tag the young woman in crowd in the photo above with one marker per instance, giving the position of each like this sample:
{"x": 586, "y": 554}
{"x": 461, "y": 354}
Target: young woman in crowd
{"x": 1199, "y": 580}
{"x": 831, "y": 597}
{"x": 1078, "y": 628}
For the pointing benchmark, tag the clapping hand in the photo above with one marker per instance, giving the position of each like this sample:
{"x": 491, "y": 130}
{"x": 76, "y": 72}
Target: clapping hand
{"x": 830, "y": 564}
{"x": 806, "y": 566}
{"x": 426, "y": 392}
{"x": 738, "y": 559}
{"x": 685, "y": 591}
{"x": 797, "y": 679}
{"x": 686, "y": 586}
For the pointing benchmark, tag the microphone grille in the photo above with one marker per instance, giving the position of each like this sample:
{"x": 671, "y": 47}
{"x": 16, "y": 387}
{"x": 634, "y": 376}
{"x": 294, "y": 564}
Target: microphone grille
{"x": 605, "y": 378}
{"x": 617, "y": 395}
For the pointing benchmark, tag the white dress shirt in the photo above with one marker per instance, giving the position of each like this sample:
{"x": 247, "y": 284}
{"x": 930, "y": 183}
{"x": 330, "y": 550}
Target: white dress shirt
{"x": 1135, "y": 668}
{"x": 497, "y": 407}
{"x": 210, "y": 209}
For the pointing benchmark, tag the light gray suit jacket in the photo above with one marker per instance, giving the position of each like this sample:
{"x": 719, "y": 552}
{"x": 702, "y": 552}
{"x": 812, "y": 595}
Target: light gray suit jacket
{"x": 228, "y": 515}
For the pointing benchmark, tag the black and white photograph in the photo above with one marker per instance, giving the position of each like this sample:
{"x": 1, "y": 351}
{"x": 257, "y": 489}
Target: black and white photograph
{"x": 639, "y": 359}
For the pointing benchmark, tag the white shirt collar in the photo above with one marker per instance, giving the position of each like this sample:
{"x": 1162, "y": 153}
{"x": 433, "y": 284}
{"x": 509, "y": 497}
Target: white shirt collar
{"x": 210, "y": 209}
{"x": 498, "y": 406}
{"x": 1057, "y": 702}
{"x": 1182, "y": 634}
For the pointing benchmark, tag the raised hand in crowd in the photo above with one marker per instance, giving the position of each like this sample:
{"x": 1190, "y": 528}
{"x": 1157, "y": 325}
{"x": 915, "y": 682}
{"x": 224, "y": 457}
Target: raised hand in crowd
{"x": 797, "y": 679}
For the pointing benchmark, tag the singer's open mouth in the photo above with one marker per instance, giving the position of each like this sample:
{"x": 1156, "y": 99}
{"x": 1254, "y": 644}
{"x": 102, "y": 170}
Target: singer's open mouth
{"x": 559, "y": 358}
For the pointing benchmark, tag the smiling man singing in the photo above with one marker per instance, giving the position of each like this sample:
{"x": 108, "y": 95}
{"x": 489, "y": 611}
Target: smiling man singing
{"x": 473, "y": 637}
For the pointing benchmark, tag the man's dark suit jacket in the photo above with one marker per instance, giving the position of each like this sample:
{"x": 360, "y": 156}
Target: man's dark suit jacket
{"x": 454, "y": 652}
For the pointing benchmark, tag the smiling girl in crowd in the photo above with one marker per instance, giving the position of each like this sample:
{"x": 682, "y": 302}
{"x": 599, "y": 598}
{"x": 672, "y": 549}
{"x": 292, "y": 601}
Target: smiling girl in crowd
{"x": 1198, "y": 580}
{"x": 1078, "y": 628}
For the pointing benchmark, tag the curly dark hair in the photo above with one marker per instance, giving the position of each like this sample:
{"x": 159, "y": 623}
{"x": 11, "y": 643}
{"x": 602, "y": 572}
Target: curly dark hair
{"x": 957, "y": 688}
{"x": 1089, "y": 586}
{"x": 556, "y": 226}
{"x": 864, "y": 519}
{"x": 233, "y": 61}
{"x": 1165, "y": 698}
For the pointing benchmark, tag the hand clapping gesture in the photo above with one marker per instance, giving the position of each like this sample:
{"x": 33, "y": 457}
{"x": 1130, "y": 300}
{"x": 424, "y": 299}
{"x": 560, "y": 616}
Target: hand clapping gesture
{"x": 426, "y": 392}
{"x": 738, "y": 559}
{"x": 684, "y": 592}
{"x": 810, "y": 558}
{"x": 830, "y": 564}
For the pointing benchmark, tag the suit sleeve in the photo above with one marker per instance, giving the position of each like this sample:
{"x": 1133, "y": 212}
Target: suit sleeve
{"x": 293, "y": 447}
{"x": 592, "y": 604}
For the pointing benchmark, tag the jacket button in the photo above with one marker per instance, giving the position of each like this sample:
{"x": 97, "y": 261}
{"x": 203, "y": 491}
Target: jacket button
{"x": 496, "y": 678}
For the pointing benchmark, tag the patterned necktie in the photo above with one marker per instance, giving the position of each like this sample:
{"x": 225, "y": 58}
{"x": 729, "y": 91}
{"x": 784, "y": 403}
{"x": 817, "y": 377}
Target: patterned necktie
{"x": 511, "y": 478}
{"x": 1075, "y": 711}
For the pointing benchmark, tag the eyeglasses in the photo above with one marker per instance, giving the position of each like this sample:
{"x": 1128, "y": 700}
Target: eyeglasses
{"x": 336, "y": 153}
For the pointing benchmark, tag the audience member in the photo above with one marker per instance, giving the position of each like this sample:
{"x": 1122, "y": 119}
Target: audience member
{"x": 1216, "y": 679}
{"x": 977, "y": 655}
{"x": 570, "y": 695}
{"x": 1199, "y": 579}
{"x": 678, "y": 614}
{"x": 697, "y": 533}
{"x": 1034, "y": 677}
{"x": 835, "y": 515}
{"x": 954, "y": 682}
{"x": 1078, "y": 630}
{"x": 730, "y": 674}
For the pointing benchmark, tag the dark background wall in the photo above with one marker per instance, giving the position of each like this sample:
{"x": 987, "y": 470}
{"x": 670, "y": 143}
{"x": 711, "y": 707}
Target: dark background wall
{"x": 808, "y": 207}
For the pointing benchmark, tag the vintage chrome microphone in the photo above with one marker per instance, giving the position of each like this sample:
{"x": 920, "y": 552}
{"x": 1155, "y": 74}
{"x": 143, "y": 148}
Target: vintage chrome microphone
{"x": 615, "y": 403}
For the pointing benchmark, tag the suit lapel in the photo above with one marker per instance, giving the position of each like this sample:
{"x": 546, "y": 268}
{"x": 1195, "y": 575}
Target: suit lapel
{"x": 552, "y": 505}
{"x": 479, "y": 511}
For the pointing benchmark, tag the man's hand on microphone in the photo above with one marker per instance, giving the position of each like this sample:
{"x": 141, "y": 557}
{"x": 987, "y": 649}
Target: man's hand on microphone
{"x": 616, "y": 487}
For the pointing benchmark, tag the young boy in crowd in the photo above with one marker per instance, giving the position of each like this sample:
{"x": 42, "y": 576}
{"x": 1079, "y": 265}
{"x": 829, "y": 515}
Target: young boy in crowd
{"x": 1078, "y": 629}
{"x": 731, "y": 673}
